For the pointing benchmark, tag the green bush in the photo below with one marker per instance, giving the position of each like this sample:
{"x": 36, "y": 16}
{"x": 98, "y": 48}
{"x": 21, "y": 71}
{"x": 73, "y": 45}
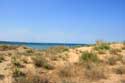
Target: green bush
{"x": 89, "y": 57}
{"x": 102, "y": 46}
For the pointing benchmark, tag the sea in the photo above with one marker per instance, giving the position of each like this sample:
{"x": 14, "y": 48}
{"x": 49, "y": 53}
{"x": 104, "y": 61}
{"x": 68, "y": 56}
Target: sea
{"x": 40, "y": 45}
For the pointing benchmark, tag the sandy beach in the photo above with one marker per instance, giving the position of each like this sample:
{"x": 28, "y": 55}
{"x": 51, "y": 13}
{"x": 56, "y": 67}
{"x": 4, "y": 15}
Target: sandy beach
{"x": 100, "y": 63}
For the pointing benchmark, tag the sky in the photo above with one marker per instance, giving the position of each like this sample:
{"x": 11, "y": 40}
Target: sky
{"x": 62, "y": 21}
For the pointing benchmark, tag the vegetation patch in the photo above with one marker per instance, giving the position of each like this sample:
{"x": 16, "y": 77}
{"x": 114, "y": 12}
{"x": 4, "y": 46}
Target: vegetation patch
{"x": 95, "y": 72}
{"x": 114, "y": 58}
{"x": 115, "y": 51}
{"x": 16, "y": 61}
{"x": 102, "y": 46}
{"x": 69, "y": 70}
{"x": 17, "y": 72}
{"x": 40, "y": 61}
{"x": 89, "y": 57}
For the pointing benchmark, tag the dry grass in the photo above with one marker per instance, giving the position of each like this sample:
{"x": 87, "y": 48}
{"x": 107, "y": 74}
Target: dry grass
{"x": 120, "y": 70}
{"x": 115, "y": 51}
{"x": 95, "y": 72}
{"x": 112, "y": 60}
{"x": 67, "y": 71}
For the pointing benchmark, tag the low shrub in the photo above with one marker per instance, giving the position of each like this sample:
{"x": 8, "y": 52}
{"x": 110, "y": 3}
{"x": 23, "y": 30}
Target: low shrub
{"x": 17, "y": 72}
{"x": 16, "y": 62}
{"x": 102, "y": 46}
{"x": 40, "y": 61}
{"x": 89, "y": 57}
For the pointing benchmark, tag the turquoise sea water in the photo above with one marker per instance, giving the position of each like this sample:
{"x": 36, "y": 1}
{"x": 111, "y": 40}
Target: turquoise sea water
{"x": 40, "y": 45}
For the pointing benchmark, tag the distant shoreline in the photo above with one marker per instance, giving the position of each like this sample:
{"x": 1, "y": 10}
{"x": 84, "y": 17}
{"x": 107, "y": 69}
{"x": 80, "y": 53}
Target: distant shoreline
{"x": 40, "y": 45}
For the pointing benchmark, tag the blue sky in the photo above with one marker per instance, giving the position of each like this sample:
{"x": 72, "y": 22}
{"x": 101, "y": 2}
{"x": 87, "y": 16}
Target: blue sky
{"x": 68, "y": 21}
